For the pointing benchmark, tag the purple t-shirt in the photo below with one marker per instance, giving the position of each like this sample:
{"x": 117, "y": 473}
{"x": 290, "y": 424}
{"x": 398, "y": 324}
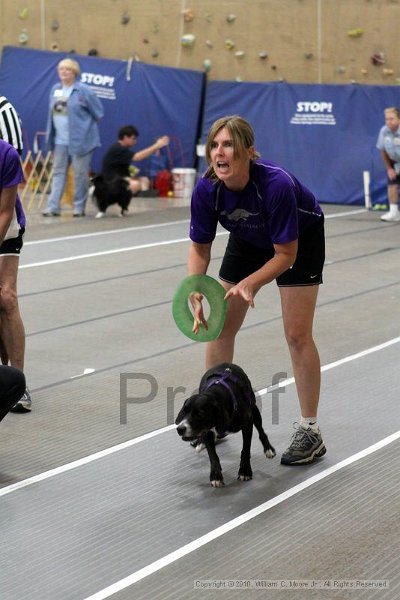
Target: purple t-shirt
{"x": 11, "y": 174}
{"x": 273, "y": 208}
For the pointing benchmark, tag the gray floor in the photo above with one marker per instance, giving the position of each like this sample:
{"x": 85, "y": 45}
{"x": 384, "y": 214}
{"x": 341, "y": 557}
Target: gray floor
{"x": 95, "y": 508}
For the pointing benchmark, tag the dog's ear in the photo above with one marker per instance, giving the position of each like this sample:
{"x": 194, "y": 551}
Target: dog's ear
{"x": 182, "y": 412}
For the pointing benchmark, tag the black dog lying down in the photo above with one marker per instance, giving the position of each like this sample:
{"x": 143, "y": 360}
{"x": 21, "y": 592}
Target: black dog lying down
{"x": 225, "y": 403}
{"x": 107, "y": 193}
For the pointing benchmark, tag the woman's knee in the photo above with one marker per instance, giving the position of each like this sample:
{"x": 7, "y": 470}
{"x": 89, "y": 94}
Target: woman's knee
{"x": 144, "y": 184}
{"x": 228, "y": 334}
{"x": 135, "y": 186}
{"x": 8, "y": 300}
{"x": 298, "y": 337}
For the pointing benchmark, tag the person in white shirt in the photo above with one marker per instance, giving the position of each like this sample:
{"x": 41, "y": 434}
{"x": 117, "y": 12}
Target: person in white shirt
{"x": 389, "y": 145}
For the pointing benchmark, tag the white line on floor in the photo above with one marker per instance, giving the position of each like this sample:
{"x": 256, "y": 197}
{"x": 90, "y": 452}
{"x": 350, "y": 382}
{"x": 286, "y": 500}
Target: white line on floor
{"x": 114, "y": 251}
{"x": 237, "y": 522}
{"x": 98, "y": 455}
{"x": 110, "y": 232}
{"x": 129, "y": 248}
{"x": 346, "y": 213}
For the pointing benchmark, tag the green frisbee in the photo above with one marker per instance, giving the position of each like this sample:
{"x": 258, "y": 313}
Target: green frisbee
{"x": 214, "y": 293}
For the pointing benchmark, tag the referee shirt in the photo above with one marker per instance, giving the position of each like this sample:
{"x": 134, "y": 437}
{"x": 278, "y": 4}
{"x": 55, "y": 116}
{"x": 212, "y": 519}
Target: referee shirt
{"x": 10, "y": 125}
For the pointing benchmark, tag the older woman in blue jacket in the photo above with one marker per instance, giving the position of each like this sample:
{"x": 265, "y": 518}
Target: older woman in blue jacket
{"x": 72, "y": 135}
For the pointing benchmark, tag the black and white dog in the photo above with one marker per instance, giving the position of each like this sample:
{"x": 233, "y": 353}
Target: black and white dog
{"x": 225, "y": 403}
{"x": 107, "y": 193}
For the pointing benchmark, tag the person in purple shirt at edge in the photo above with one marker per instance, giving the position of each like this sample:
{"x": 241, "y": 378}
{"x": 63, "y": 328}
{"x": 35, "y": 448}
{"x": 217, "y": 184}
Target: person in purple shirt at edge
{"x": 276, "y": 232}
{"x": 12, "y": 228}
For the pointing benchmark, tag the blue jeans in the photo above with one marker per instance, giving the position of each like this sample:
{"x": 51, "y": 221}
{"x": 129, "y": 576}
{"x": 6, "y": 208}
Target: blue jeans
{"x": 80, "y": 165}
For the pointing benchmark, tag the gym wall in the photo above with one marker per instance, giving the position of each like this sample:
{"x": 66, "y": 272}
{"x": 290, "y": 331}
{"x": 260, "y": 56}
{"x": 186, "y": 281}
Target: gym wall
{"x": 298, "y": 41}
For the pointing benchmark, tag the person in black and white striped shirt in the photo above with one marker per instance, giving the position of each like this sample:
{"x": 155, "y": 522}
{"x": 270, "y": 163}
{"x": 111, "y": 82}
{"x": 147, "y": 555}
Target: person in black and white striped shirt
{"x": 10, "y": 125}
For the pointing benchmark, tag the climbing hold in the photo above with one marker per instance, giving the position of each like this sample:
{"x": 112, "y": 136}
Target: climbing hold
{"x": 238, "y": 79}
{"x": 308, "y": 55}
{"x": 125, "y": 18}
{"x": 340, "y": 69}
{"x": 23, "y": 37}
{"x": 145, "y": 41}
{"x": 156, "y": 28}
{"x": 188, "y": 40}
{"x": 387, "y": 72}
{"x": 229, "y": 44}
{"x": 209, "y": 44}
{"x": 355, "y": 33}
{"x": 24, "y": 13}
{"x": 207, "y": 64}
{"x": 364, "y": 71}
{"x": 155, "y": 53}
{"x": 378, "y": 58}
{"x": 274, "y": 67}
{"x": 263, "y": 55}
{"x": 240, "y": 53}
{"x": 187, "y": 15}
{"x": 55, "y": 25}
{"x": 54, "y": 47}
{"x": 231, "y": 18}
{"x": 93, "y": 52}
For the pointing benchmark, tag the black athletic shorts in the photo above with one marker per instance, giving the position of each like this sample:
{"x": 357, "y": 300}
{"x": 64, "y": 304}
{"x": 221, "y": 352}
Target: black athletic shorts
{"x": 241, "y": 259}
{"x": 12, "y": 246}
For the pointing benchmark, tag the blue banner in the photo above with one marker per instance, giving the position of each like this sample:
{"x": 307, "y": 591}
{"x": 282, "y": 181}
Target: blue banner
{"x": 157, "y": 100}
{"x": 324, "y": 134}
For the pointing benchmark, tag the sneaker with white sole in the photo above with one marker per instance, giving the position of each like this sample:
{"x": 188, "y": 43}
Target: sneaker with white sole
{"x": 306, "y": 445}
{"x": 100, "y": 215}
{"x": 391, "y": 217}
{"x": 24, "y": 404}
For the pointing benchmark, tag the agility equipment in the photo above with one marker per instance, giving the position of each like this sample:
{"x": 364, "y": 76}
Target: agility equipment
{"x": 214, "y": 293}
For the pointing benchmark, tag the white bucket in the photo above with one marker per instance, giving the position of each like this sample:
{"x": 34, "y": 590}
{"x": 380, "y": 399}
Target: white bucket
{"x": 201, "y": 149}
{"x": 183, "y": 182}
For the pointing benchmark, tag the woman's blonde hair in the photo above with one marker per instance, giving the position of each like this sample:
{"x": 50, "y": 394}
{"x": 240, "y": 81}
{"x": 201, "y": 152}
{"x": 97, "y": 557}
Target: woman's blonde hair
{"x": 70, "y": 63}
{"x": 242, "y": 137}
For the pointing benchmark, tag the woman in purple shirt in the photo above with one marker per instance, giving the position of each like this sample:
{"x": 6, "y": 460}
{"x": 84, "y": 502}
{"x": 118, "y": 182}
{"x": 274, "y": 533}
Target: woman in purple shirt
{"x": 276, "y": 232}
{"x": 12, "y": 229}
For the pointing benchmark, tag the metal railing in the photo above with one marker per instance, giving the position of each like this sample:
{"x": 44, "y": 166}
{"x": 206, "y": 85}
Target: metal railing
{"x": 38, "y": 172}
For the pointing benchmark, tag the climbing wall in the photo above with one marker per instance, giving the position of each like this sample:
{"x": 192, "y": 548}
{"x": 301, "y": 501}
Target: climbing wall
{"x": 309, "y": 41}
{"x": 359, "y": 41}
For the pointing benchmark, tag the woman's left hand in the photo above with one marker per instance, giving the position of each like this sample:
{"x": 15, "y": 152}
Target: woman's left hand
{"x": 243, "y": 289}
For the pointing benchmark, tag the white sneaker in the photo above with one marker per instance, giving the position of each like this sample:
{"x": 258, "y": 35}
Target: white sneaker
{"x": 391, "y": 216}
{"x": 100, "y": 215}
{"x": 24, "y": 404}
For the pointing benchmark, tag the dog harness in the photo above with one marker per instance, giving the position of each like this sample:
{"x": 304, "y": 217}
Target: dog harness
{"x": 223, "y": 379}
